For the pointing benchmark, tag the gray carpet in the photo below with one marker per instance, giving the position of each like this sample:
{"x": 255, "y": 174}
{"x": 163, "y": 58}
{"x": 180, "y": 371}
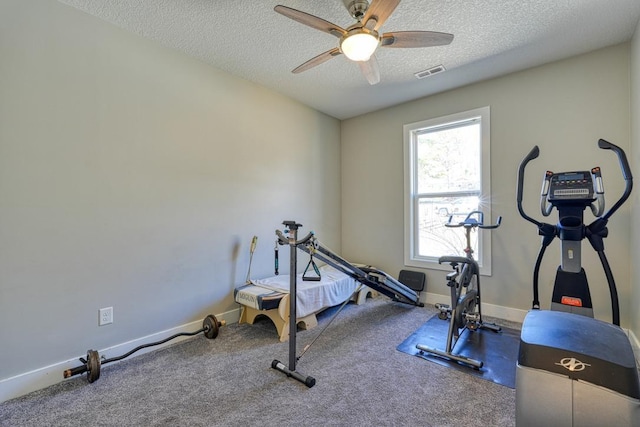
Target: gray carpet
{"x": 362, "y": 380}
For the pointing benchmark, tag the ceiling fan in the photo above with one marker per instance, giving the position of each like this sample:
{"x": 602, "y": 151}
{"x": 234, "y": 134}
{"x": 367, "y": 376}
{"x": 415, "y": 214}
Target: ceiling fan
{"x": 359, "y": 41}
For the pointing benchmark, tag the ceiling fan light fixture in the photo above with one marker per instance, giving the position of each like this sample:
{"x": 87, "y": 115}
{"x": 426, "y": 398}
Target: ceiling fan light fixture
{"x": 359, "y": 45}
{"x": 359, "y": 41}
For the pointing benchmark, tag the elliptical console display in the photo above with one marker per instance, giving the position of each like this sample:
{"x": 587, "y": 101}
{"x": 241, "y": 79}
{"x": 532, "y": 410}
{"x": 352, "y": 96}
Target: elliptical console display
{"x": 573, "y": 188}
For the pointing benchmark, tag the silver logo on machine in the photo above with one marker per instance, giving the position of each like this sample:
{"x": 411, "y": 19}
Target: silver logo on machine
{"x": 573, "y": 364}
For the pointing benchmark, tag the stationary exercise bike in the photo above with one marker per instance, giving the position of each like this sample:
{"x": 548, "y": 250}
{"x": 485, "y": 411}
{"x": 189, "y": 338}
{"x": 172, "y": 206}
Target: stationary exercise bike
{"x": 572, "y": 369}
{"x": 464, "y": 286}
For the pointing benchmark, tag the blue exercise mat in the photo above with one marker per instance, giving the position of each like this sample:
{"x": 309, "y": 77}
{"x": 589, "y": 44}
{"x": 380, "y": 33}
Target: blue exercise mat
{"x": 497, "y": 350}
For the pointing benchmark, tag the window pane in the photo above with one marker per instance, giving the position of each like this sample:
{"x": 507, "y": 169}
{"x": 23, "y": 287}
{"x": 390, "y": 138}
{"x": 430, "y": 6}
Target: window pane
{"x": 434, "y": 238}
{"x": 449, "y": 159}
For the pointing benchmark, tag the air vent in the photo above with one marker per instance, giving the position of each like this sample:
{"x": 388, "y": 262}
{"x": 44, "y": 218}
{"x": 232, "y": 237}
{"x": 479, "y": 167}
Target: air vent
{"x": 429, "y": 72}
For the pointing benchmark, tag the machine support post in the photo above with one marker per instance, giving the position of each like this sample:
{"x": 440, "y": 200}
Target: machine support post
{"x": 292, "y": 241}
{"x": 293, "y": 285}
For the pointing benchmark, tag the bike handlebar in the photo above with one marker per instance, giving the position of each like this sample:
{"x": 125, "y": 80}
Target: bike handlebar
{"x": 496, "y": 225}
{"x": 472, "y": 222}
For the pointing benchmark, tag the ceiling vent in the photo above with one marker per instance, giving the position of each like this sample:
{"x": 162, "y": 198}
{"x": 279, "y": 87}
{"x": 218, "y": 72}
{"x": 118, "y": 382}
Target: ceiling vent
{"x": 431, "y": 71}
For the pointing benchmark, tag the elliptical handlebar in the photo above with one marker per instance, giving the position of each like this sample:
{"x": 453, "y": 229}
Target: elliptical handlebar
{"x": 533, "y": 154}
{"x": 626, "y": 174}
{"x": 624, "y": 164}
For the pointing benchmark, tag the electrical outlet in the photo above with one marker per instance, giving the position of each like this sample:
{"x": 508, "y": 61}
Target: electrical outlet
{"x": 105, "y": 316}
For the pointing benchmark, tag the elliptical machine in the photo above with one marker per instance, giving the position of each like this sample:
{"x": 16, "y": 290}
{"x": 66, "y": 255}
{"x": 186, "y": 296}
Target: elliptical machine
{"x": 573, "y": 369}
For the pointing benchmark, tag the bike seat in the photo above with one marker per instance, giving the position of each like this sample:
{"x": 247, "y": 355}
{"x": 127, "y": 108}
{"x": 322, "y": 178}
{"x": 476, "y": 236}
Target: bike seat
{"x": 451, "y": 277}
{"x": 453, "y": 260}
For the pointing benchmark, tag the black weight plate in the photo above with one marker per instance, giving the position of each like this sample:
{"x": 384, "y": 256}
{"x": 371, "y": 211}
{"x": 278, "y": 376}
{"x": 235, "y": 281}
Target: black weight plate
{"x": 93, "y": 366}
{"x": 211, "y": 326}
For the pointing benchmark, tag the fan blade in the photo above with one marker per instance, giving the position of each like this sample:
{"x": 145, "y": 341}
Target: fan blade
{"x": 379, "y": 11}
{"x": 311, "y": 21}
{"x": 370, "y": 70}
{"x": 323, "y": 57}
{"x": 415, "y": 39}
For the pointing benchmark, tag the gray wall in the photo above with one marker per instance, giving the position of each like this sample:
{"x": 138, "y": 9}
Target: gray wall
{"x": 133, "y": 176}
{"x": 563, "y": 107}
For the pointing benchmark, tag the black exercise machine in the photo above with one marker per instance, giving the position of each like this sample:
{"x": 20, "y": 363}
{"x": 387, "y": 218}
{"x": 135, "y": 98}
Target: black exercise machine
{"x": 572, "y": 369}
{"x": 376, "y": 279}
{"x": 464, "y": 313}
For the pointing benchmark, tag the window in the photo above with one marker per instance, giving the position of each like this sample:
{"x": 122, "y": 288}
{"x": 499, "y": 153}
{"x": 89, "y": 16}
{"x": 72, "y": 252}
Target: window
{"x": 446, "y": 175}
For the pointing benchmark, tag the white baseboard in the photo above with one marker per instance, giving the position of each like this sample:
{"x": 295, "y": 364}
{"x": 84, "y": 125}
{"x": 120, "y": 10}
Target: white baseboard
{"x": 491, "y": 310}
{"x": 40, "y": 378}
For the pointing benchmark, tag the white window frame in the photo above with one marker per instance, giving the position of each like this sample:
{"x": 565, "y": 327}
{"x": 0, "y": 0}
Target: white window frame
{"x": 411, "y": 130}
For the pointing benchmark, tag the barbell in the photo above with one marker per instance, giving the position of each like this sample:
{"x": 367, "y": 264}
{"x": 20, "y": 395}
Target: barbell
{"x": 92, "y": 363}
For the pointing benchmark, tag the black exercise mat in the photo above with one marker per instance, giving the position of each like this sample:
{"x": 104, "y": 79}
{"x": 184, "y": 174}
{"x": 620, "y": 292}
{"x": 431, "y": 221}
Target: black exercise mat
{"x": 497, "y": 350}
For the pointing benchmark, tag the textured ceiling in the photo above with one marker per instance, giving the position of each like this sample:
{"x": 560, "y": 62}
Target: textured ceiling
{"x": 249, "y": 39}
